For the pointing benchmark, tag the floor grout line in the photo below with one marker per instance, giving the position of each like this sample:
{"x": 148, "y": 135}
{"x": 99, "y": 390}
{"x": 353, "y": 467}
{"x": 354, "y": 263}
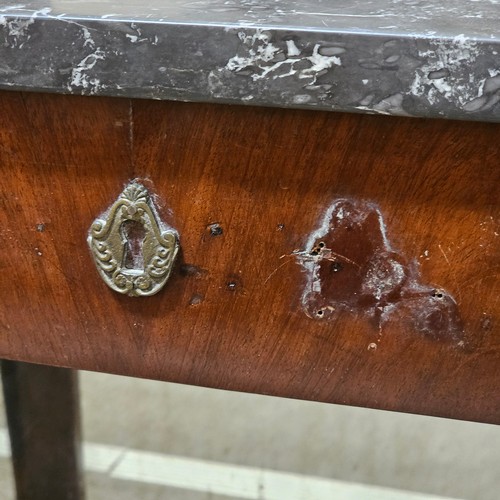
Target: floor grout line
{"x": 220, "y": 478}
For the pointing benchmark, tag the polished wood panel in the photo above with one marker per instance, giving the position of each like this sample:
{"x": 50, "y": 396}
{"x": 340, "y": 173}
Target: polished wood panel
{"x": 44, "y": 426}
{"x": 231, "y": 314}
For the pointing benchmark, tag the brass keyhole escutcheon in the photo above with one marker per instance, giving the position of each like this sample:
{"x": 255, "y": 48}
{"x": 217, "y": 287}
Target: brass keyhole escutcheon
{"x": 134, "y": 235}
{"x": 134, "y": 251}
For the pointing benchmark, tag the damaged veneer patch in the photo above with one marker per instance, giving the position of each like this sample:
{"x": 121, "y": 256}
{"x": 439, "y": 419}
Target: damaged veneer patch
{"x": 352, "y": 267}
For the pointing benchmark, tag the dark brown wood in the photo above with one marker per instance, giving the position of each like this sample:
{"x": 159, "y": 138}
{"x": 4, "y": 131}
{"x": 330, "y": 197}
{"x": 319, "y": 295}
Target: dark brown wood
{"x": 231, "y": 315}
{"x": 44, "y": 427}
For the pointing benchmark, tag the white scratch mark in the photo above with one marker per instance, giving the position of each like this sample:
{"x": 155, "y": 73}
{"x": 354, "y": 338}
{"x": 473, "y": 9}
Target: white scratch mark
{"x": 280, "y": 266}
{"x": 444, "y": 254}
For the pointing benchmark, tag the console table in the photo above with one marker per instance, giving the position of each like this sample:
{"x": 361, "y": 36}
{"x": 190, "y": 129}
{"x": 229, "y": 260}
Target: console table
{"x": 331, "y": 173}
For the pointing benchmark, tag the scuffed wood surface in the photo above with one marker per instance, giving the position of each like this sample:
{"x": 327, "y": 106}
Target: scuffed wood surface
{"x": 245, "y": 187}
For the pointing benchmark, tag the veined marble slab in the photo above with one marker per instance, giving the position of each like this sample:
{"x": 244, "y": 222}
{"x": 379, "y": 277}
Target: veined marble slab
{"x": 425, "y": 58}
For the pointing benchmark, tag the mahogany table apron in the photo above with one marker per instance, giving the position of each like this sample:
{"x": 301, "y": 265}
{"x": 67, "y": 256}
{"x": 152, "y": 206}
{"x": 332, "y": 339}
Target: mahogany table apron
{"x": 247, "y": 190}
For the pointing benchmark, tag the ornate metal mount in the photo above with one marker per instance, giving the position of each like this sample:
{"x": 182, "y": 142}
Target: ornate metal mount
{"x": 133, "y": 251}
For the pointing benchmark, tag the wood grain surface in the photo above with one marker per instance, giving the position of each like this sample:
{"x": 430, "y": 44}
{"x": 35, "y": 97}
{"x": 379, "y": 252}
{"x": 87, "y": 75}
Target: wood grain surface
{"x": 231, "y": 315}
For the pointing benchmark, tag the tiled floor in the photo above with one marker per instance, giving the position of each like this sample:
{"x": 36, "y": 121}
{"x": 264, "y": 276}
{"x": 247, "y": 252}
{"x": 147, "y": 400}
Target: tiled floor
{"x": 420, "y": 454}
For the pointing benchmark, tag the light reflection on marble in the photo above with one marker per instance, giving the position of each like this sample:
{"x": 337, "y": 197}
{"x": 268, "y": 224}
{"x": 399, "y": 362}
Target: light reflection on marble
{"x": 407, "y": 57}
{"x": 477, "y": 18}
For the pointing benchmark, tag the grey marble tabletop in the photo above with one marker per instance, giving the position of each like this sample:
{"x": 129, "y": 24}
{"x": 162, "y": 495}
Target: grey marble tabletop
{"x": 422, "y": 58}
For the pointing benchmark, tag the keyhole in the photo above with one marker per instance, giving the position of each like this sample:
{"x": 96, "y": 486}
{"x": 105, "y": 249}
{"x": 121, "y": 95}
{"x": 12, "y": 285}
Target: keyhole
{"x": 134, "y": 234}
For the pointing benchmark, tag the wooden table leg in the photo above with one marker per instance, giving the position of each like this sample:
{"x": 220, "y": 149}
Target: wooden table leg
{"x": 42, "y": 407}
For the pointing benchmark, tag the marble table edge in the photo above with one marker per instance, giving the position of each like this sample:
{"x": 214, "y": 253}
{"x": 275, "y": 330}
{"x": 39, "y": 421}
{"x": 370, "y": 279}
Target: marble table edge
{"x": 407, "y": 74}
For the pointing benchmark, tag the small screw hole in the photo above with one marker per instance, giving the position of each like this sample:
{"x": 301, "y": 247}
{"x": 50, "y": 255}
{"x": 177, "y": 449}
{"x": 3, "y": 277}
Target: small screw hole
{"x": 215, "y": 230}
{"x": 336, "y": 266}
